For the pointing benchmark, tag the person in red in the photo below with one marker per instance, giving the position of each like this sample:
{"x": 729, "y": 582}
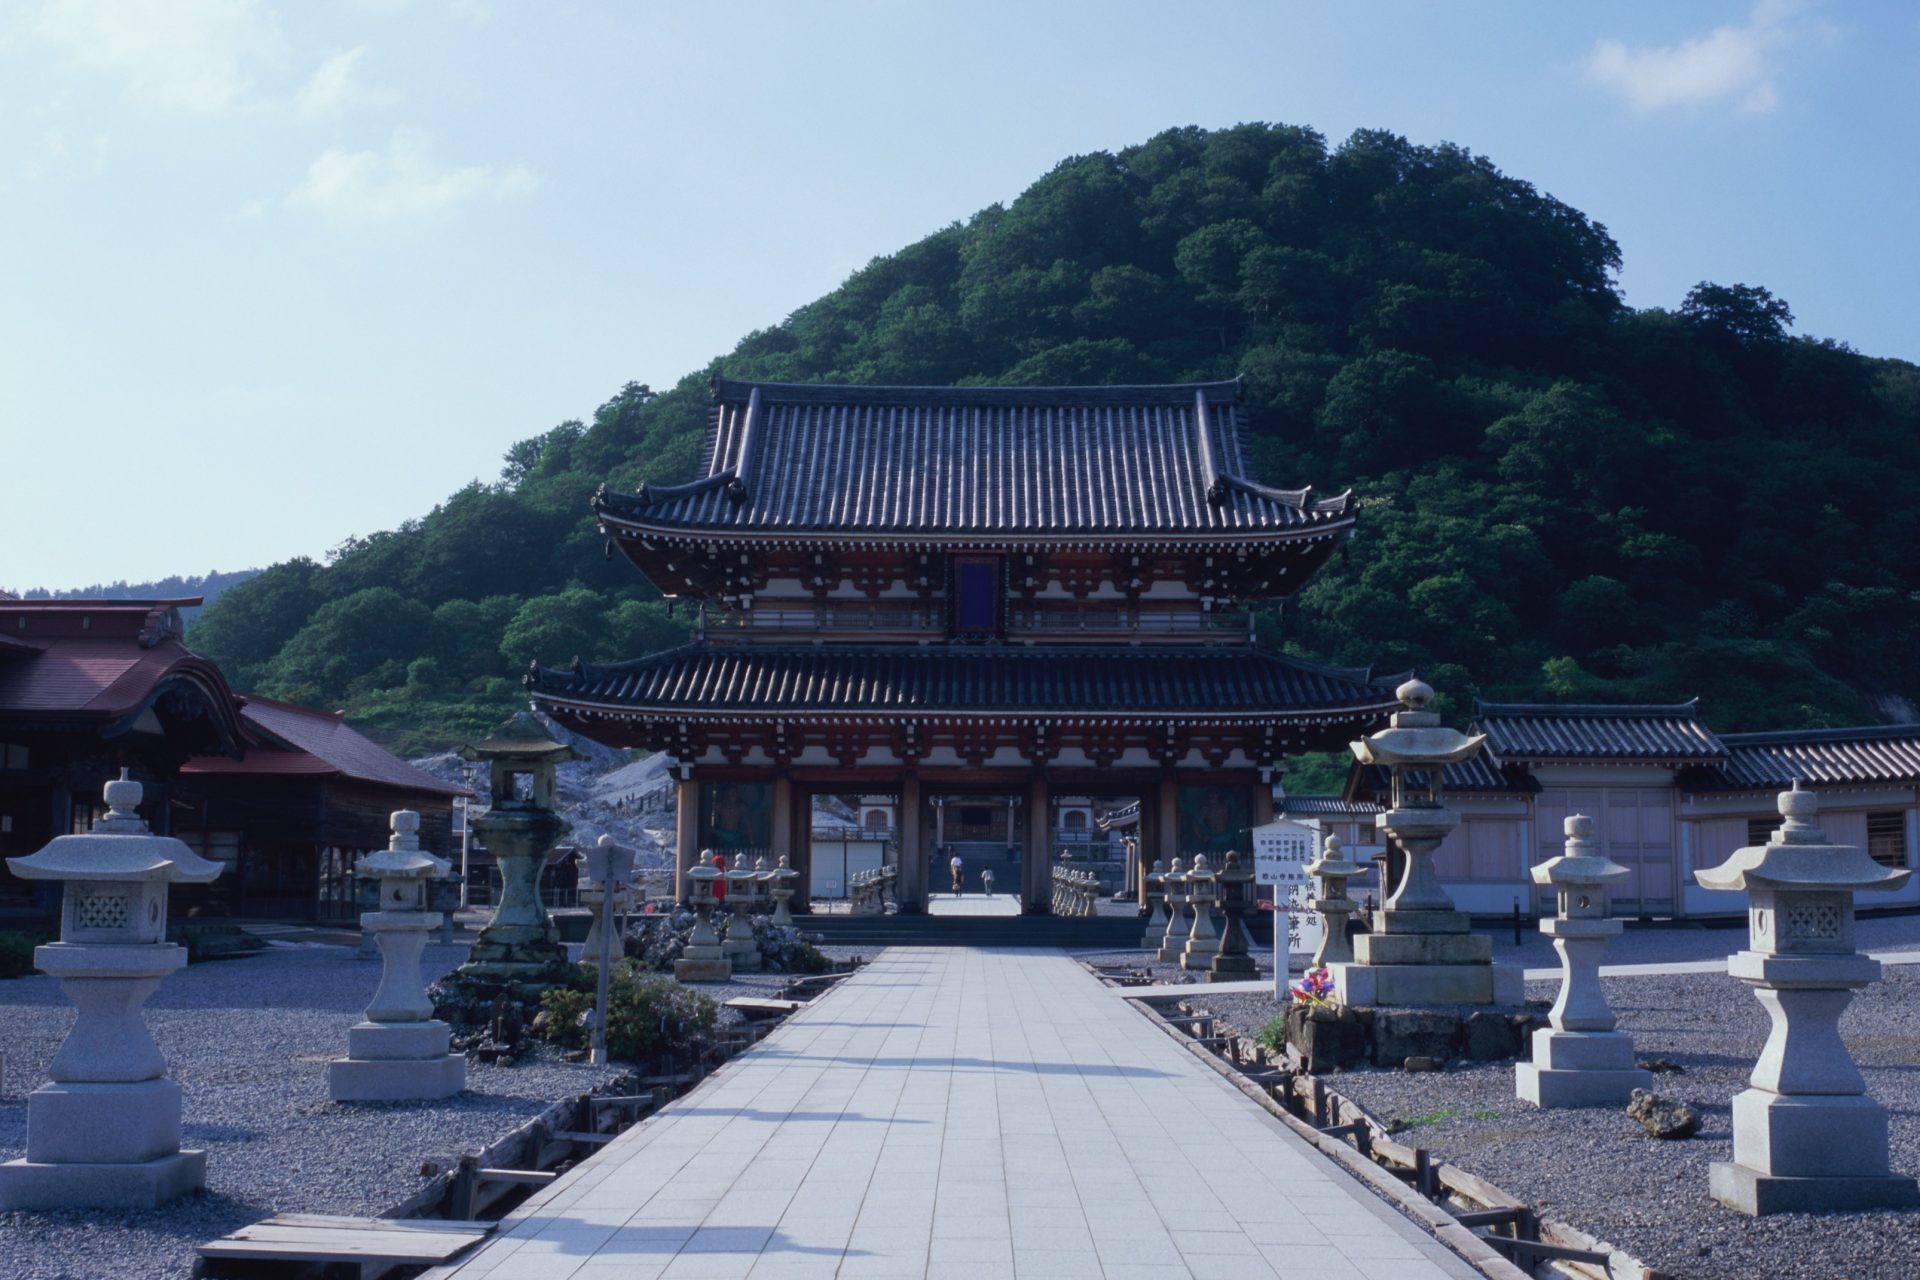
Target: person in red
{"x": 720, "y": 885}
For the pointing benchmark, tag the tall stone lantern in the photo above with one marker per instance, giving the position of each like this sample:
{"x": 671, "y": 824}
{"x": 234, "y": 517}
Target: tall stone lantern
{"x": 703, "y": 959}
{"x": 1806, "y": 1137}
{"x": 400, "y": 1051}
{"x": 1333, "y": 870}
{"x": 783, "y": 878}
{"x": 1422, "y": 950}
{"x": 104, "y": 1132}
{"x": 519, "y": 946}
{"x": 1580, "y": 1060}
{"x": 1234, "y": 883}
{"x": 1156, "y": 890}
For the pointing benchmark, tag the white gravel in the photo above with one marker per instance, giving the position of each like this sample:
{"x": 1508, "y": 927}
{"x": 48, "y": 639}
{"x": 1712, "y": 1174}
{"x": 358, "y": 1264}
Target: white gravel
{"x": 1598, "y": 1171}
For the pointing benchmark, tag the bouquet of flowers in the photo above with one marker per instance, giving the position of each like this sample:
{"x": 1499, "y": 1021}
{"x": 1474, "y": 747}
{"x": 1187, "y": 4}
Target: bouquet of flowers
{"x": 1315, "y": 988}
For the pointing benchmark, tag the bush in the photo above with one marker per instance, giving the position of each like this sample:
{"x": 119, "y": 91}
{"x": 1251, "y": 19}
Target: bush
{"x": 1273, "y": 1036}
{"x": 808, "y": 958}
{"x": 16, "y": 955}
{"x": 650, "y": 1015}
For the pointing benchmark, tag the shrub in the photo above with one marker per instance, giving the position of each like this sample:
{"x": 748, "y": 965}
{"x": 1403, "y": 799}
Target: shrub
{"x": 16, "y": 955}
{"x": 1273, "y": 1036}
{"x": 649, "y": 1015}
{"x": 808, "y": 958}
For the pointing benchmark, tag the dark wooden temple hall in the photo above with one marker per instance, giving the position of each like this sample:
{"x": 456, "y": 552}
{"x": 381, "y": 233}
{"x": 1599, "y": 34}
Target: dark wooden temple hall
{"x": 985, "y": 597}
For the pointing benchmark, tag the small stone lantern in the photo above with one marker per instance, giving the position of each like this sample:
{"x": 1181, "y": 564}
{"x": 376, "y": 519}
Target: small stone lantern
{"x": 762, "y": 887}
{"x": 104, "y": 1133}
{"x": 741, "y": 947}
{"x": 1202, "y": 943}
{"x": 1806, "y": 1137}
{"x": 519, "y": 946}
{"x": 399, "y": 1052}
{"x": 1580, "y": 1060}
{"x": 703, "y": 959}
{"x": 1179, "y": 924}
{"x": 783, "y": 878}
{"x": 1156, "y": 883}
{"x": 1333, "y": 869}
{"x": 609, "y": 865}
{"x": 1234, "y": 883}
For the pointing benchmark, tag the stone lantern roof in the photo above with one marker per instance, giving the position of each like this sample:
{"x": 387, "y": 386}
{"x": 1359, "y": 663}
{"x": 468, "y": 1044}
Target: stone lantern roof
{"x": 119, "y": 848}
{"x": 1416, "y": 737}
{"x": 520, "y": 737}
{"x": 403, "y": 858}
{"x": 1800, "y": 857}
{"x": 1580, "y": 864}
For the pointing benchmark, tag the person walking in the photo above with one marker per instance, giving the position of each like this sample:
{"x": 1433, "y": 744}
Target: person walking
{"x": 986, "y": 880}
{"x": 957, "y": 867}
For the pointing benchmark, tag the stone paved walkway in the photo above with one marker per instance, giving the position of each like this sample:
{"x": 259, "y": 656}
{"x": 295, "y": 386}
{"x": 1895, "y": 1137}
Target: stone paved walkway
{"x": 965, "y": 1113}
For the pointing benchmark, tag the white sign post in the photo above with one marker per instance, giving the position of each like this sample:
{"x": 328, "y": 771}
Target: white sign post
{"x": 1281, "y": 851}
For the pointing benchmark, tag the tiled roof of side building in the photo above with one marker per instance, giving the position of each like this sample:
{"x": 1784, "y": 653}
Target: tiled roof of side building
{"x": 1534, "y": 731}
{"x": 300, "y": 740}
{"x": 1371, "y": 782}
{"x": 786, "y": 458}
{"x": 909, "y": 679}
{"x": 1771, "y": 761}
{"x": 1323, "y": 806}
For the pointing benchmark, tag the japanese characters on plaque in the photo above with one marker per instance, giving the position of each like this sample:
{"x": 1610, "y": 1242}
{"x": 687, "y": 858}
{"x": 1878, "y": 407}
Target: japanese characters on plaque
{"x": 1281, "y": 852}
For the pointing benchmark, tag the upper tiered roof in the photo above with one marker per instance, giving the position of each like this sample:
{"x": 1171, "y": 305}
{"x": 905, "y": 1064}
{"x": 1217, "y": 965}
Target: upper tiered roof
{"x": 940, "y": 464}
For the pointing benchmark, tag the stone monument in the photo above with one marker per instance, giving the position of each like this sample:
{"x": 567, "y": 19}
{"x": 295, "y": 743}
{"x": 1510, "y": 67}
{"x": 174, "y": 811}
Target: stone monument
{"x": 1580, "y": 1060}
{"x": 703, "y": 959}
{"x": 1333, "y": 871}
{"x": 1806, "y": 1137}
{"x": 1422, "y": 950}
{"x": 399, "y": 1051}
{"x": 519, "y": 947}
{"x": 104, "y": 1132}
{"x": 1234, "y": 885}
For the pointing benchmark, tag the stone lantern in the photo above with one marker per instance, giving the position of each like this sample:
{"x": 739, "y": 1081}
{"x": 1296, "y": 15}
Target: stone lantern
{"x": 783, "y": 878}
{"x": 1234, "y": 883}
{"x": 1580, "y": 1060}
{"x": 1156, "y": 882}
{"x": 702, "y": 959}
{"x": 1806, "y": 1137}
{"x": 105, "y": 1131}
{"x": 1333, "y": 869}
{"x": 1202, "y": 943}
{"x": 1422, "y": 950}
{"x": 742, "y": 950}
{"x": 399, "y": 1052}
{"x": 1179, "y": 924}
{"x": 763, "y": 878}
{"x": 519, "y": 946}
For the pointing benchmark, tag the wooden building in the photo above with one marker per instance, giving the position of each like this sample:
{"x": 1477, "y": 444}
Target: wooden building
{"x": 973, "y": 600}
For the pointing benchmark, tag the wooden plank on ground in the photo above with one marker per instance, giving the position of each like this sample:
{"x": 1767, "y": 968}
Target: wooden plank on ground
{"x": 761, "y": 1007}
{"x": 429, "y": 1225}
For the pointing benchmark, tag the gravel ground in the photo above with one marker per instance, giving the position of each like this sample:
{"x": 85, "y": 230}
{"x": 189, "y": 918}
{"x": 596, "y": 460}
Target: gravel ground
{"x": 1597, "y": 1170}
{"x": 248, "y": 1040}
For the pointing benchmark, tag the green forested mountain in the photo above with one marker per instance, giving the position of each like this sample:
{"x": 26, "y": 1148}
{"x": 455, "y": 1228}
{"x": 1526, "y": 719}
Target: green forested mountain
{"x": 1563, "y": 498}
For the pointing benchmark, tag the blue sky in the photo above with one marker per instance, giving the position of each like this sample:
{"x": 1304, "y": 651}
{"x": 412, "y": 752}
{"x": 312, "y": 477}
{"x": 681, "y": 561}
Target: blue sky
{"x": 275, "y": 275}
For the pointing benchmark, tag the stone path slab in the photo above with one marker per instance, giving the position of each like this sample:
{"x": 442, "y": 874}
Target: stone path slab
{"x": 972, "y": 1113}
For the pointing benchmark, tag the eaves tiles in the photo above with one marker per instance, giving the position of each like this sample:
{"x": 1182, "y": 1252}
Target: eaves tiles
{"x": 702, "y": 681}
{"x": 1590, "y": 733}
{"x": 1885, "y": 755}
{"x": 787, "y": 461}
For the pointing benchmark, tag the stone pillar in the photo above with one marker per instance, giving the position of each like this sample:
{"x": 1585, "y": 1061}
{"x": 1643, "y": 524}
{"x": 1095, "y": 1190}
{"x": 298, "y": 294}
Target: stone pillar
{"x": 1037, "y": 863}
{"x": 399, "y": 1052}
{"x": 1806, "y": 1137}
{"x": 686, "y": 834}
{"x": 1580, "y": 1060}
{"x": 1203, "y": 943}
{"x": 104, "y": 1133}
{"x": 911, "y": 892}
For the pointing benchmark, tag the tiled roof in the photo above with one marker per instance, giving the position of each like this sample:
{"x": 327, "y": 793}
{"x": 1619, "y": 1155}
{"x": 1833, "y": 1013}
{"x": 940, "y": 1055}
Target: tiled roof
{"x": 1836, "y": 757}
{"x": 1477, "y": 775}
{"x": 299, "y": 740}
{"x": 1320, "y": 806}
{"x": 1624, "y": 732}
{"x": 101, "y": 684}
{"x": 954, "y": 461}
{"x": 912, "y": 680}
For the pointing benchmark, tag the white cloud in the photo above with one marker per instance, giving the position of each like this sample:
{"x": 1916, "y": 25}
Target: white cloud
{"x": 402, "y": 183}
{"x": 178, "y": 55}
{"x": 335, "y": 88}
{"x": 1728, "y": 64}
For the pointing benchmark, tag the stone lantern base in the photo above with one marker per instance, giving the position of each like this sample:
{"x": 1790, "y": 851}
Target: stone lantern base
{"x": 1580, "y": 1069}
{"x": 1836, "y": 1146}
{"x": 703, "y": 964}
{"x": 1366, "y": 985}
{"x": 397, "y": 1062}
{"x": 102, "y": 1146}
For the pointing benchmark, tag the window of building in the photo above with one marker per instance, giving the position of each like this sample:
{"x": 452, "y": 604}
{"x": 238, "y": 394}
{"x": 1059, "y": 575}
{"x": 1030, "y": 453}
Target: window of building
{"x": 1074, "y": 820}
{"x": 1760, "y": 830}
{"x": 876, "y": 820}
{"x": 12, "y": 756}
{"x": 1887, "y": 838}
{"x": 976, "y": 595}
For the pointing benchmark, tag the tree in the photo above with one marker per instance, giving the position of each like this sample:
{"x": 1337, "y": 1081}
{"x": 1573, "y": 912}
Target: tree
{"x": 242, "y": 630}
{"x": 347, "y": 639}
{"x": 1748, "y": 315}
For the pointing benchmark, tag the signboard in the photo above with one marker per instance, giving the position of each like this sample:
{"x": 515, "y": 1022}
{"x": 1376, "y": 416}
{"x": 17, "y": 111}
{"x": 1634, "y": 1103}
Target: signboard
{"x": 1281, "y": 852}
